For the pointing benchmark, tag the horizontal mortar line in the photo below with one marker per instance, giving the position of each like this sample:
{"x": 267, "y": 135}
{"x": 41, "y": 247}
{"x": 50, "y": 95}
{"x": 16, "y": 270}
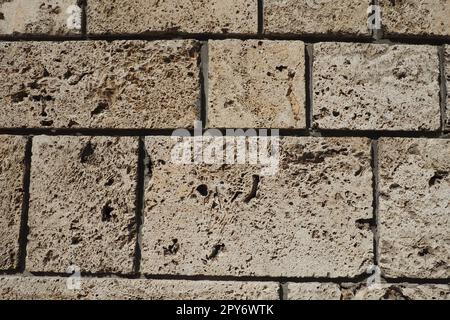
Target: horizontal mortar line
{"x": 373, "y": 134}
{"x": 337, "y": 280}
{"x": 311, "y": 38}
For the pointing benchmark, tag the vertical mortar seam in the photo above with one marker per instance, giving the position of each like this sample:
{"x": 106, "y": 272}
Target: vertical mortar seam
{"x": 260, "y": 13}
{"x": 83, "y": 5}
{"x": 23, "y": 231}
{"x": 139, "y": 205}
{"x": 309, "y": 60}
{"x": 375, "y": 200}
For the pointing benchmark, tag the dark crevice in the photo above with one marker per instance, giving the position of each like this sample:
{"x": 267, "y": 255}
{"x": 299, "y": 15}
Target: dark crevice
{"x": 375, "y": 201}
{"x": 107, "y": 212}
{"x": 23, "y": 235}
{"x": 260, "y": 17}
{"x": 142, "y": 171}
{"x": 310, "y": 38}
{"x": 437, "y": 177}
{"x": 309, "y": 61}
{"x": 215, "y": 251}
{"x": 86, "y": 152}
{"x": 254, "y": 190}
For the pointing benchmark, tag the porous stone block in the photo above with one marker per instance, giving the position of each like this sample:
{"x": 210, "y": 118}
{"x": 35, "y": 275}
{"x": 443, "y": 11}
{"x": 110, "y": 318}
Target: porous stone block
{"x": 12, "y": 153}
{"x": 99, "y": 84}
{"x": 54, "y": 288}
{"x": 82, "y": 204}
{"x": 312, "y": 291}
{"x": 415, "y": 17}
{"x": 414, "y": 207}
{"x": 400, "y": 291}
{"x": 309, "y": 217}
{"x": 181, "y": 16}
{"x": 360, "y": 86}
{"x": 348, "y": 17}
{"x": 40, "y": 17}
{"x": 256, "y": 84}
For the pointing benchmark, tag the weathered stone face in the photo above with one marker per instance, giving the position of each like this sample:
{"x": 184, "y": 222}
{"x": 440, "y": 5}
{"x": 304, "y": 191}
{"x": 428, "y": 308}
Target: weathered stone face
{"x": 376, "y": 87}
{"x": 40, "y": 17}
{"x": 316, "y": 17}
{"x": 142, "y": 16}
{"x": 415, "y": 17}
{"x": 414, "y": 207}
{"x": 360, "y": 291}
{"x": 53, "y": 288}
{"x": 12, "y": 154}
{"x": 306, "y": 220}
{"x": 269, "y": 94}
{"x": 82, "y": 204}
{"x": 99, "y": 84}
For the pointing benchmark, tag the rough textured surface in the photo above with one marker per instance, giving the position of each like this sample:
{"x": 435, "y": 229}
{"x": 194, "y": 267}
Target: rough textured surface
{"x": 82, "y": 204}
{"x": 316, "y": 17}
{"x": 312, "y": 291}
{"x": 43, "y": 17}
{"x": 447, "y": 72}
{"x": 12, "y": 153}
{"x": 416, "y": 17}
{"x": 376, "y": 87}
{"x": 414, "y": 207}
{"x": 360, "y": 291}
{"x": 395, "y": 292}
{"x": 306, "y": 220}
{"x": 269, "y": 94}
{"x": 53, "y": 288}
{"x": 96, "y": 84}
{"x": 141, "y": 16}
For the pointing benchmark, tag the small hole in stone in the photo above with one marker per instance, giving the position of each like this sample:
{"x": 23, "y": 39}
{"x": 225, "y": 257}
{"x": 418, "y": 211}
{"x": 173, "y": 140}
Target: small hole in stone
{"x": 203, "y": 190}
{"x": 106, "y": 212}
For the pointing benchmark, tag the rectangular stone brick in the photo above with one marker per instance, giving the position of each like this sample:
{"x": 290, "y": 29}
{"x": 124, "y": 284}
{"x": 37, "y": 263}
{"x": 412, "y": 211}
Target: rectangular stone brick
{"x": 99, "y": 84}
{"x": 415, "y": 17}
{"x": 82, "y": 204}
{"x": 360, "y": 291}
{"x": 359, "y": 86}
{"x": 308, "y": 219}
{"x": 54, "y": 288}
{"x": 12, "y": 153}
{"x": 184, "y": 16}
{"x": 126, "y": 289}
{"x": 40, "y": 17}
{"x": 256, "y": 84}
{"x": 346, "y": 17}
{"x": 414, "y": 207}
{"x": 312, "y": 291}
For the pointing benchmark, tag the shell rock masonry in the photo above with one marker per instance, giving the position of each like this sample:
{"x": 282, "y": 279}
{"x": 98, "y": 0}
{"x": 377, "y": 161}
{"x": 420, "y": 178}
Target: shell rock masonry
{"x": 348, "y": 197}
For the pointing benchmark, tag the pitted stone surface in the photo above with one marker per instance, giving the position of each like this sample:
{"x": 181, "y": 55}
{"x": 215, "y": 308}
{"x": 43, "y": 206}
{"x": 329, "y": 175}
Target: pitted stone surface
{"x": 414, "y": 207}
{"x": 40, "y": 17}
{"x": 256, "y": 84}
{"x": 53, "y": 288}
{"x": 82, "y": 204}
{"x": 142, "y": 16}
{"x": 416, "y": 17}
{"x": 400, "y": 291}
{"x": 12, "y": 153}
{"x": 308, "y": 219}
{"x": 316, "y": 17}
{"x": 98, "y": 84}
{"x": 313, "y": 291}
{"x": 376, "y": 87}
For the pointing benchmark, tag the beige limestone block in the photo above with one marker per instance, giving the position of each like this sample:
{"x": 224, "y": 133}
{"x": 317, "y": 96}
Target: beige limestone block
{"x": 256, "y": 84}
